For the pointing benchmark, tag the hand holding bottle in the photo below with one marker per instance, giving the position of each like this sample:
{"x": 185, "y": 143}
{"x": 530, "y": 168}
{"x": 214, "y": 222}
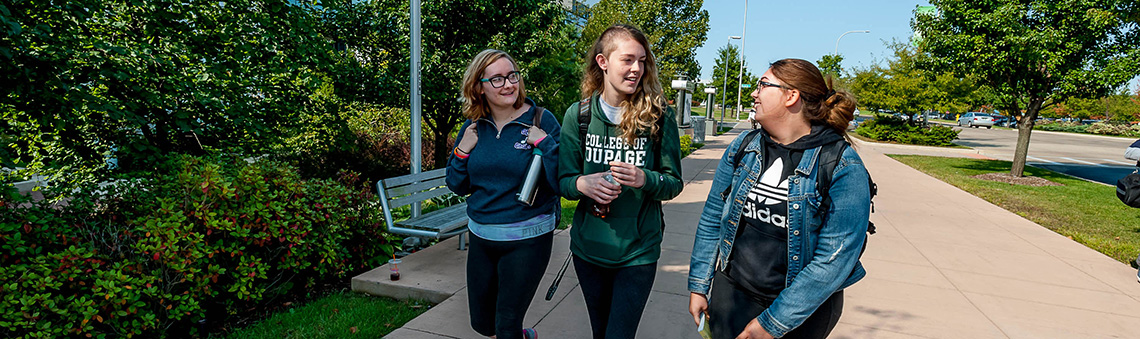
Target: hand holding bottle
{"x": 596, "y": 187}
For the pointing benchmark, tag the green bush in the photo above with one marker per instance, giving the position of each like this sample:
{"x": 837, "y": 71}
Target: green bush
{"x": 1107, "y": 128}
{"x": 364, "y": 138}
{"x": 887, "y": 128}
{"x": 687, "y": 145}
{"x": 173, "y": 254}
{"x": 1072, "y": 127}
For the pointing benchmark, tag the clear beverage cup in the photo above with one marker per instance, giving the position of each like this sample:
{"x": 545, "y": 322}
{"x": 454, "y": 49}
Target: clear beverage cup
{"x": 393, "y": 267}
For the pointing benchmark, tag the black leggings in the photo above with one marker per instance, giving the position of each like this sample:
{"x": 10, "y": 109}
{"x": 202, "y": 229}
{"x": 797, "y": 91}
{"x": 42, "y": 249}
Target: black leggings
{"x": 615, "y": 297}
{"x": 730, "y": 310}
{"x": 497, "y": 306}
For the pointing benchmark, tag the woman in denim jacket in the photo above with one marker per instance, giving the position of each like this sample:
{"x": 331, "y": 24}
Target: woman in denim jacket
{"x": 780, "y": 265}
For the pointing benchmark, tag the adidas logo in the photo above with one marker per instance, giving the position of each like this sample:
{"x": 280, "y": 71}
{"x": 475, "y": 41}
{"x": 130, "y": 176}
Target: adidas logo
{"x": 769, "y": 191}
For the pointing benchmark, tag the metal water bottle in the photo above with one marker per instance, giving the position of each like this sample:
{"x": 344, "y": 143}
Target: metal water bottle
{"x": 530, "y": 183}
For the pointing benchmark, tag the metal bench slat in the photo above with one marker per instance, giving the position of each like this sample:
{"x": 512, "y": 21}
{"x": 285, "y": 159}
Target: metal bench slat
{"x": 421, "y": 196}
{"x": 416, "y": 187}
{"x": 443, "y": 220}
{"x": 410, "y": 178}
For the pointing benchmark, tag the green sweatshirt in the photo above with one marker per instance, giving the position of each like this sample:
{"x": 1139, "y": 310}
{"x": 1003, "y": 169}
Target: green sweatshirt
{"x": 631, "y": 234}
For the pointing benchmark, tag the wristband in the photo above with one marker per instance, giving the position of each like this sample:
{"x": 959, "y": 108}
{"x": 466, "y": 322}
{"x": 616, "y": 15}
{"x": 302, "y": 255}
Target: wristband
{"x": 461, "y": 154}
{"x": 540, "y": 140}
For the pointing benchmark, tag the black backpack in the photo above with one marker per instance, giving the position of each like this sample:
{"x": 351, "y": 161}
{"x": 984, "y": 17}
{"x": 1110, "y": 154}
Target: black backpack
{"x": 829, "y": 157}
{"x": 1128, "y": 188}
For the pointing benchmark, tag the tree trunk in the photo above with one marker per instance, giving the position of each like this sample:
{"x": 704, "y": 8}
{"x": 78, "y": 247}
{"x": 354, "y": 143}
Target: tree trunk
{"x": 442, "y": 149}
{"x": 1024, "y": 130}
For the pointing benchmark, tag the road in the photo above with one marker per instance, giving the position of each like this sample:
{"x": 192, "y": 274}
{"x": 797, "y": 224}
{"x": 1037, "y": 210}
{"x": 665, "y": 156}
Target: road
{"x": 1093, "y": 157}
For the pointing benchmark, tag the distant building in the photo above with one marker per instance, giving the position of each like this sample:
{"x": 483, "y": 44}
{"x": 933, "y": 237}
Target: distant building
{"x": 578, "y": 11}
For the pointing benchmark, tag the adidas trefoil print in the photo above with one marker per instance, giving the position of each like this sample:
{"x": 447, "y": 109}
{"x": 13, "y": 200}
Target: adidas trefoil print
{"x": 767, "y": 201}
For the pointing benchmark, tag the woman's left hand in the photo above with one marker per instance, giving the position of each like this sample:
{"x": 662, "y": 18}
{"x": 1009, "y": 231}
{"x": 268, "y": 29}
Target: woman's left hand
{"x": 754, "y": 331}
{"x": 535, "y": 135}
{"x": 627, "y": 174}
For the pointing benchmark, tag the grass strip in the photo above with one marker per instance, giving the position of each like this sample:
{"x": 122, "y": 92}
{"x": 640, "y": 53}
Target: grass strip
{"x": 1087, "y": 212}
{"x": 339, "y": 315}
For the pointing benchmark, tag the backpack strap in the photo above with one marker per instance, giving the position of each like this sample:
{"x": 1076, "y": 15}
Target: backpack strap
{"x": 538, "y": 112}
{"x": 829, "y": 156}
{"x": 739, "y": 155}
{"x": 655, "y": 144}
{"x": 740, "y": 151}
{"x": 583, "y": 121}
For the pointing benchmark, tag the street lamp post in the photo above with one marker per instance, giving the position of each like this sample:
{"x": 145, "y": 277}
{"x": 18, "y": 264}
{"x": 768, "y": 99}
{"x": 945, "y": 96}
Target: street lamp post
{"x": 740, "y": 73}
{"x": 416, "y": 101}
{"x": 845, "y": 33}
{"x": 725, "y": 84}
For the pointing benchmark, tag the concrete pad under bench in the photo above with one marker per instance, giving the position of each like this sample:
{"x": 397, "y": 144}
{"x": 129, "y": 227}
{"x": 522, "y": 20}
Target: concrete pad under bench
{"x": 433, "y": 274}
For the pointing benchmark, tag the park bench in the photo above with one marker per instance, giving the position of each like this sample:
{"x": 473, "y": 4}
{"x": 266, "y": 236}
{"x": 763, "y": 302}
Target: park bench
{"x": 405, "y": 190}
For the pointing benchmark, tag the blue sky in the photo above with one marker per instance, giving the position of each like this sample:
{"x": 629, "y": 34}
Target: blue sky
{"x": 806, "y": 30}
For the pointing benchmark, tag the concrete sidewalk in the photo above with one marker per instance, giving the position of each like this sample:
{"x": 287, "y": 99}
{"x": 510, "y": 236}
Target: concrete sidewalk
{"x": 944, "y": 264}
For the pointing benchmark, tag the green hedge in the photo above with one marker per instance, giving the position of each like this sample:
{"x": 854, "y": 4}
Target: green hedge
{"x": 1102, "y": 128}
{"x": 887, "y": 128}
{"x": 172, "y": 255}
{"x": 688, "y": 146}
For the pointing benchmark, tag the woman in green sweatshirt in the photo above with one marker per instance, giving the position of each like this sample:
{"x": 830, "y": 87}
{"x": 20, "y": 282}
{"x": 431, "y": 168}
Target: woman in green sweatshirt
{"x": 622, "y": 167}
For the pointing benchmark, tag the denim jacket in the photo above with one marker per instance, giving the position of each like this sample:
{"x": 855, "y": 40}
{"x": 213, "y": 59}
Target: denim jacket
{"x": 823, "y": 251}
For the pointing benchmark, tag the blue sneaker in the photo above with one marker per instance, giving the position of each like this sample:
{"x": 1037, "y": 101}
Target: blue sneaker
{"x": 530, "y": 333}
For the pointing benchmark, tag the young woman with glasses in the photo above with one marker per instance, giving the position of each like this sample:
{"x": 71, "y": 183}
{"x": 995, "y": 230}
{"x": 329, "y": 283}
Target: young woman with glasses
{"x": 780, "y": 260}
{"x": 510, "y": 240}
{"x": 628, "y": 162}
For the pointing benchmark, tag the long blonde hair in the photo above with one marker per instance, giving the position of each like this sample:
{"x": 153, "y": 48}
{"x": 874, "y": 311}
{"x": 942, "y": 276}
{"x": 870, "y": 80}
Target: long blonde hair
{"x": 474, "y": 104}
{"x": 646, "y": 104}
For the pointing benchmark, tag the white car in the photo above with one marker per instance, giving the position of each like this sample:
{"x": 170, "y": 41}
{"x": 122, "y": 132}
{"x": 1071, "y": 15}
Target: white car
{"x": 975, "y": 119}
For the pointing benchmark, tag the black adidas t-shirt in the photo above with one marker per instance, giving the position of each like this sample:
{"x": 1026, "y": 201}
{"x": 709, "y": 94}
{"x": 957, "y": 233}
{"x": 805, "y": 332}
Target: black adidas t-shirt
{"x": 759, "y": 261}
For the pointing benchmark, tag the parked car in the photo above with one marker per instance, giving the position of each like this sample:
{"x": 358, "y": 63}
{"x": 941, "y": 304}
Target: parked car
{"x": 859, "y": 119}
{"x": 1000, "y": 120}
{"x": 975, "y": 119}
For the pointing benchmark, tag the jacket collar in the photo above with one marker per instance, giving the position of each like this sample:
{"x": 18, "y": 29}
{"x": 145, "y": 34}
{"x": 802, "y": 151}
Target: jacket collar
{"x": 527, "y": 118}
{"x": 804, "y": 167}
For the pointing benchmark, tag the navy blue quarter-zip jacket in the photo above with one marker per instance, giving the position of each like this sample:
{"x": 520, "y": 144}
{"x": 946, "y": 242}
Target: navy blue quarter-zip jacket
{"x": 494, "y": 172}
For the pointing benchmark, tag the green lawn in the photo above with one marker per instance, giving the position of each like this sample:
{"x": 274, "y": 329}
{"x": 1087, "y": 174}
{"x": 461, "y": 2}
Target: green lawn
{"x": 1088, "y": 212}
{"x": 340, "y": 315}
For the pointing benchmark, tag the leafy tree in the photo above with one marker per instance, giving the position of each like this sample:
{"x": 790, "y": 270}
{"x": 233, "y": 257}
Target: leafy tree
{"x": 537, "y": 33}
{"x": 731, "y": 54}
{"x": 831, "y": 64}
{"x": 90, "y": 80}
{"x": 1033, "y": 54}
{"x": 675, "y": 29}
{"x": 1115, "y": 107}
{"x": 904, "y": 86}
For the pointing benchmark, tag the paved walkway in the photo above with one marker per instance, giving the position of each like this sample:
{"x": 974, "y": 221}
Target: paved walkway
{"x": 944, "y": 264}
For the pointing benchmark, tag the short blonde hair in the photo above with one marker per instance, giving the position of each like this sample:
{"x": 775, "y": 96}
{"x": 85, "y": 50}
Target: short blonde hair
{"x": 475, "y": 104}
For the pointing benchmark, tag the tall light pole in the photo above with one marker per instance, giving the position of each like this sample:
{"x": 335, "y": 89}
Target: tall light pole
{"x": 740, "y": 74}
{"x": 845, "y": 33}
{"x": 725, "y": 84}
{"x": 417, "y": 150}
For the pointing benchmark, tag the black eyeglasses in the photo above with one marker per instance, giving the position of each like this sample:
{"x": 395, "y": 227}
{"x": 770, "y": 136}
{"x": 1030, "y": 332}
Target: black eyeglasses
{"x": 763, "y": 84}
{"x": 499, "y": 80}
